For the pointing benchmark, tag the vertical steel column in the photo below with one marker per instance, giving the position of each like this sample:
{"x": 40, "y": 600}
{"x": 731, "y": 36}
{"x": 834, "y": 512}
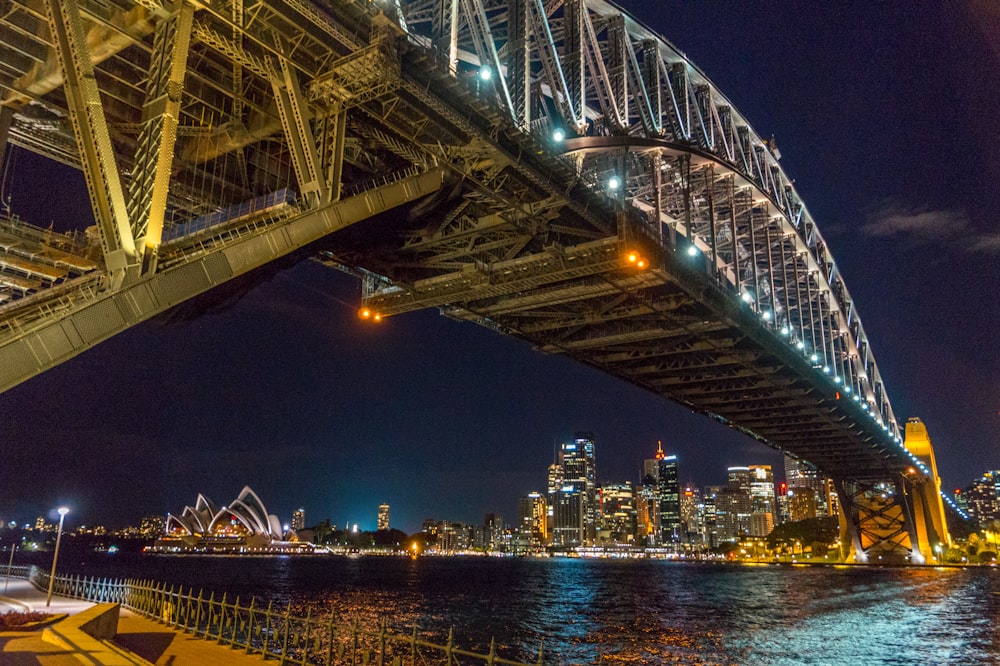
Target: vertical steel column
{"x": 519, "y": 61}
{"x": 93, "y": 139}
{"x": 770, "y": 272}
{"x": 753, "y": 265}
{"x": 732, "y": 230}
{"x": 444, "y": 33}
{"x": 160, "y": 117}
{"x": 710, "y": 171}
{"x": 573, "y": 59}
{"x": 6, "y": 119}
{"x": 301, "y": 144}
{"x": 784, "y": 286}
{"x": 812, "y": 315}
{"x": 798, "y": 292}
{"x": 616, "y": 64}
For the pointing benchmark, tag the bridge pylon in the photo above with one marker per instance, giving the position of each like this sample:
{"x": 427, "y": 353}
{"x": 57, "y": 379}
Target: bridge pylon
{"x": 896, "y": 519}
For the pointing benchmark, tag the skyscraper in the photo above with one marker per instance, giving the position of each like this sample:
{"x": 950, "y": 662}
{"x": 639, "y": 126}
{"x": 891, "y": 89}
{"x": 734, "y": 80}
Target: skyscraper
{"x": 579, "y": 470}
{"x": 763, "y": 500}
{"x": 383, "y": 516}
{"x": 618, "y": 514}
{"x": 299, "y": 519}
{"x": 532, "y": 518}
{"x": 668, "y": 497}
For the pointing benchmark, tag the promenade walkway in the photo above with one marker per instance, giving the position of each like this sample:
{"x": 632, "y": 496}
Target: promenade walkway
{"x": 148, "y": 641}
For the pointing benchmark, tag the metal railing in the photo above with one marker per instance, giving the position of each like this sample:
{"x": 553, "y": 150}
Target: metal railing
{"x": 273, "y": 633}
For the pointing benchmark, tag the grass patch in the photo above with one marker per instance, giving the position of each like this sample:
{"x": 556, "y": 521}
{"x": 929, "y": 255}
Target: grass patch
{"x": 22, "y": 619}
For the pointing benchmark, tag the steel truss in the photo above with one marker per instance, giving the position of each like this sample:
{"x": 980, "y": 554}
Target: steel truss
{"x": 562, "y": 173}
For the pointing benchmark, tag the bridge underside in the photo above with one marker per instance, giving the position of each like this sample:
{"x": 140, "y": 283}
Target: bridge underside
{"x": 218, "y": 137}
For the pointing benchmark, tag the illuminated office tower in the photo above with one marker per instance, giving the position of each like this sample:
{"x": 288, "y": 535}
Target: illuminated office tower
{"x": 567, "y": 516}
{"x": 532, "y": 518}
{"x": 493, "y": 532}
{"x": 383, "y": 516}
{"x": 802, "y": 477}
{"x": 618, "y": 513}
{"x": 299, "y": 519}
{"x": 579, "y": 470}
{"x": 982, "y": 497}
{"x": 669, "y": 497}
{"x": 691, "y": 531}
{"x": 762, "y": 500}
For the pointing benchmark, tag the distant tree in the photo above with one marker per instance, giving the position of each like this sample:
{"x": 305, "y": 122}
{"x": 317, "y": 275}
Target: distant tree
{"x": 814, "y": 531}
{"x": 390, "y": 538}
{"x": 987, "y": 556}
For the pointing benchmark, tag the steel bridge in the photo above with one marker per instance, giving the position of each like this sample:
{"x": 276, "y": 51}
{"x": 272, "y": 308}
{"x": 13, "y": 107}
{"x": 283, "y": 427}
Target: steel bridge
{"x": 551, "y": 169}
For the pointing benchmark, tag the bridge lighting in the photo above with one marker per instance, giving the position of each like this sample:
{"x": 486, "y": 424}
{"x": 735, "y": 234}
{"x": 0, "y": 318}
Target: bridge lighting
{"x": 692, "y": 251}
{"x": 365, "y": 313}
{"x": 826, "y": 369}
{"x": 614, "y": 183}
{"x": 559, "y": 135}
{"x": 814, "y": 358}
{"x": 800, "y": 344}
{"x": 377, "y": 317}
{"x": 633, "y": 257}
{"x": 766, "y": 315}
{"x": 485, "y": 73}
{"x": 784, "y": 330}
{"x": 857, "y": 398}
{"x": 747, "y": 297}
{"x": 847, "y": 389}
{"x": 836, "y": 378}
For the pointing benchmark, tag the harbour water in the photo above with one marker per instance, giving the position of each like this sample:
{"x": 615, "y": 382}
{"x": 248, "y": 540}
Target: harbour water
{"x": 621, "y": 611}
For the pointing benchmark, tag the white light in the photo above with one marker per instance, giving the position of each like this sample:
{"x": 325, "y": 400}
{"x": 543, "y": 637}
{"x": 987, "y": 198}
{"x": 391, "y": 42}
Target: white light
{"x": 826, "y": 369}
{"x": 747, "y": 297}
{"x": 485, "y": 73}
{"x": 814, "y": 358}
{"x": 62, "y": 511}
{"x": 766, "y": 315}
{"x": 836, "y": 378}
{"x": 784, "y": 330}
{"x": 800, "y": 344}
{"x": 857, "y": 398}
{"x": 847, "y": 389}
{"x": 558, "y": 136}
{"x": 692, "y": 251}
{"x": 614, "y": 183}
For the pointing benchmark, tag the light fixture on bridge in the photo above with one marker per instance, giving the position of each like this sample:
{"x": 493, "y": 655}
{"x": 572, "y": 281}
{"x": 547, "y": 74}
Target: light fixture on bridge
{"x": 614, "y": 183}
{"x": 826, "y": 369}
{"x": 847, "y": 389}
{"x": 485, "y": 73}
{"x": 635, "y": 259}
{"x": 836, "y": 379}
{"x": 785, "y": 330}
{"x": 814, "y": 358}
{"x": 747, "y": 297}
{"x": 800, "y": 344}
{"x": 857, "y": 398}
{"x": 365, "y": 313}
{"x": 765, "y": 315}
{"x": 692, "y": 251}
{"x": 558, "y": 135}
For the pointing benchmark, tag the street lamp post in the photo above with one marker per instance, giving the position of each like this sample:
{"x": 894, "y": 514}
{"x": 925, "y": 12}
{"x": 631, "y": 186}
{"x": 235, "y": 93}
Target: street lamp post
{"x": 10, "y": 564}
{"x": 52, "y": 576}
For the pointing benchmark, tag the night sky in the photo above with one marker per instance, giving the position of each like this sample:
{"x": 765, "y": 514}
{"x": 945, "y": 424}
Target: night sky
{"x": 885, "y": 117}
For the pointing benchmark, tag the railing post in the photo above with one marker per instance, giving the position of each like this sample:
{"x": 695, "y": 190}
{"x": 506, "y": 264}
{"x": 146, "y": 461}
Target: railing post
{"x": 267, "y": 630}
{"x": 197, "y": 616}
{"x": 381, "y": 643}
{"x": 222, "y": 618}
{"x": 250, "y": 624}
{"x": 329, "y": 642}
{"x": 305, "y": 651}
{"x": 284, "y": 639}
{"x": 541, "y": 647}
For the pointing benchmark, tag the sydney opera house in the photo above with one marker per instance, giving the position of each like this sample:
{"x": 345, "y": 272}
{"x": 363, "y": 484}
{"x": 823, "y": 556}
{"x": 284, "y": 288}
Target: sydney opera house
{"x": 242, "y": 526}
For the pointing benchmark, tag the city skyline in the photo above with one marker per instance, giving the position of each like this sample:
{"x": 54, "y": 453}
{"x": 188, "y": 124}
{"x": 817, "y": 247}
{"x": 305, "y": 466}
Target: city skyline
{"x": 285, "y": 388}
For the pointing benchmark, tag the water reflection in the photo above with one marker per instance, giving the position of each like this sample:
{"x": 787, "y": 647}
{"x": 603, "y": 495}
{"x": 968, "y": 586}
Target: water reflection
{"x": 629, "y": 612}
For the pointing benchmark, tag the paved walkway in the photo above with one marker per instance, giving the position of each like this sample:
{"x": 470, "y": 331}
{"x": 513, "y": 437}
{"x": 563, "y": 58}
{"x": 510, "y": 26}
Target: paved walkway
{"x": 150, "y": 641}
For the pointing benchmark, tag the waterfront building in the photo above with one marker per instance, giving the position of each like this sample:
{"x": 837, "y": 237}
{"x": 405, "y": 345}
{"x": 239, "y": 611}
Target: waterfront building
{"x": 982, "y": 497}
{"x": 709, "y": 521}
{"x": 618, "y": 521}
{"x": 453, "y": 537}
{"x": 579, "y": 468}
{"x": 801, "y": 476}
{"x": 669, "y": 496}
{"x": 733, "y": 508}
{"x": 763, "y": 506}
{"x": 690, "y": 506}
{"x": 493, "y": 533}
{"x": 532, "y": 513}
{"x": 40, "y": 524}
{"x": 241, "y": 526}
{"x": 298, "y": 519}
{"x": 646, "y": 515}
{"x": 568, "y": 517}
{"x": 383, "y": 517}
{"x": 801, "y": 504}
